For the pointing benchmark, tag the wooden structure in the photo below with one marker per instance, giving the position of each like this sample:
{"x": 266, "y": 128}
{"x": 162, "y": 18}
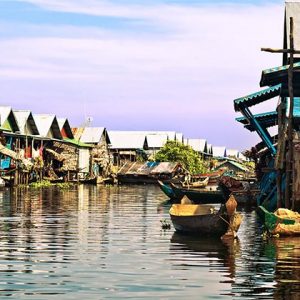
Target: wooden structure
{"x": 280, "y": 185}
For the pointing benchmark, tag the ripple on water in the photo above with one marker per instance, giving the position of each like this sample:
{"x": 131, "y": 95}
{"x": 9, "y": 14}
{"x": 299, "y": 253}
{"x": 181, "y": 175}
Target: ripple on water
{"x": 107, "y": 242}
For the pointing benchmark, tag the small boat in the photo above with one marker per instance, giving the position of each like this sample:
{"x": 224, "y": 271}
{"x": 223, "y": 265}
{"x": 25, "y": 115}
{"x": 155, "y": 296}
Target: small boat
{"x": 197, "y": 184}
{"x": 168, "y": 190}
{"x": 199, "y": 196}
{"x": 283, "y": 222}
{"x": 198, "y": 219}
{"x": 204, "y": 220}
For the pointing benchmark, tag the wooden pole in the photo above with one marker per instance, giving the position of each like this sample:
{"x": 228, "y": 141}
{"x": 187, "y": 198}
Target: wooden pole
{"x": 289, "y": 163}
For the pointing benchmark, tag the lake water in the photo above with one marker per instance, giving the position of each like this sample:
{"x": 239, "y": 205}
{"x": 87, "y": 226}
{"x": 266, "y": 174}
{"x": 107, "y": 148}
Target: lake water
{"x": 92, "y": 242}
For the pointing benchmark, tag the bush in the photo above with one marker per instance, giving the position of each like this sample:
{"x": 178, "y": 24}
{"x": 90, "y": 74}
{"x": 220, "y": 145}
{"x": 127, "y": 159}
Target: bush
{"x": 177, "y": 152}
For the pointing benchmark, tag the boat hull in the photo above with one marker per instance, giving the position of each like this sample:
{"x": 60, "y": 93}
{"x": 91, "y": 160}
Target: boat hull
{"x": 200, "y": 196}
{"x": 198, "y": 220}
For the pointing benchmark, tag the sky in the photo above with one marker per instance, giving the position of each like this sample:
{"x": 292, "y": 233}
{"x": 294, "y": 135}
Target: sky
{"x": 140, "y": 65}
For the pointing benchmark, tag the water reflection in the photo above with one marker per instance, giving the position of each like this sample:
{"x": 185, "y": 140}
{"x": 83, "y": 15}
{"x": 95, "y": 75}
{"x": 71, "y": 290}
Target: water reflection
{"x": 107, "y": 242}
{"x": 210, "y": 252}
{"x": 285, "y": 252}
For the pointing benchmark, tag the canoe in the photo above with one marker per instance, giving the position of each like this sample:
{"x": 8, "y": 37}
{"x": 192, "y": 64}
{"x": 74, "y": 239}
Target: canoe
{"x": 199, "y": 196}
{"x": 199, "y": 219}
{"x": 206, "y": 219}
{"x": 168, "y": 190}
{"x": 283, "y": 222}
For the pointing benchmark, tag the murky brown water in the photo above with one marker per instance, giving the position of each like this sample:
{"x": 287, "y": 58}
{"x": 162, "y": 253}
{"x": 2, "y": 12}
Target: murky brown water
{"x": 107, "y": 243}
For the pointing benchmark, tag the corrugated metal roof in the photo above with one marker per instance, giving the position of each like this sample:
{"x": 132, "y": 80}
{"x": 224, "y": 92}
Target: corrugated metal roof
{"x": 156, "y": 140}
{"x": 23, "y": 118}
{"x": 6, "y": 114}
{"x": 218, "y": 151}
{"x": 47, "y": 125}
{"x": 257, "y": 97}
{"x": 260, "y": 117}
{"x": 92, "y": 135}
{"x": 234, "y": 163}
{"x": 165, "y": 167}
{"x": 276, "y": 75}
{"x": 147, "y": 168}
{"x": 127, "y": 140}
{"x": 199, "y": 145}
{"x": 267, "y": 119}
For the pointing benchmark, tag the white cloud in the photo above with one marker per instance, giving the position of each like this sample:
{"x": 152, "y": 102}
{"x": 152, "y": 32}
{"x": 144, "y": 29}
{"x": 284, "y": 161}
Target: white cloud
{"x": 202, "y": 59}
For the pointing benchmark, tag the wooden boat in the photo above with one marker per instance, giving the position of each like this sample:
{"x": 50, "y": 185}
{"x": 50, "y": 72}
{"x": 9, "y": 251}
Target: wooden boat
{"x": 199, "y": 196}
{"x": 197, "y": 184}
{"x": 204, "y": 220}
{"x": 168, "y": 190}
{"x": 283, "y": 221}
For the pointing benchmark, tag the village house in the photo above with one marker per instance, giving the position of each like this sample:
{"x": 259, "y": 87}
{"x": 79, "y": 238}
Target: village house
{"x": 127, "y": 146}
{"x": 98, "y": 140}
{"x": 200, "y": 146}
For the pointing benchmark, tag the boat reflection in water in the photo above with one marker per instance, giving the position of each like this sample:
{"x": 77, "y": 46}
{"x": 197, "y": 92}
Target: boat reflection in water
{"x": 217, "y": 254}
{"x": 285, "y": 253}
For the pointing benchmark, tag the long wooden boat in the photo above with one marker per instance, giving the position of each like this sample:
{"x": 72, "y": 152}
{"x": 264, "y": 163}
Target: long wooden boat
{"x": 205, "y": 219}
{"x": 199, "y": 196}
{"x": 283, "y": 222}
{"x": 197, "y": 184}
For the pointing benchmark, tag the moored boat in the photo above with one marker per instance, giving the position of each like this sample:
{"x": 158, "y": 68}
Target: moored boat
{"x": 200, "y": 196}
{"x": 283, "y": 222}
{"x": 198, "y": 219}
{"x": 203, "y": 220}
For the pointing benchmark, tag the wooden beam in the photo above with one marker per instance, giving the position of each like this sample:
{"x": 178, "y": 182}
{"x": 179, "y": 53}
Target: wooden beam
{"x": 271, "y": 50}
{"x": 289, "y": 157}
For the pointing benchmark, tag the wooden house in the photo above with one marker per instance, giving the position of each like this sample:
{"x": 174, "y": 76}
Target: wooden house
{"x": 127, "y": 146}
{"x": 98, "y": 139}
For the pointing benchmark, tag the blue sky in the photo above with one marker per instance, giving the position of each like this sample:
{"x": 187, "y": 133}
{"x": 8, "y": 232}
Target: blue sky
{"x": 139, "y": 65}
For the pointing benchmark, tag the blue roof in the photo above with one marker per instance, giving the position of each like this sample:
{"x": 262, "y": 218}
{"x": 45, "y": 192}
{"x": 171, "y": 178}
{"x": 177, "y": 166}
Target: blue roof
{"x": 267, "y": 119}
{"x": 257, "y": 97}
{"x": 276, "y": 75}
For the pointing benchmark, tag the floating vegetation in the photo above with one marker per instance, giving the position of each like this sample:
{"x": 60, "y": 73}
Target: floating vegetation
{"x": 63, "y": 185}
{"x": 40, "y": 184}
{"x": 47, "y": 183}
{"x": 165, "y": 224}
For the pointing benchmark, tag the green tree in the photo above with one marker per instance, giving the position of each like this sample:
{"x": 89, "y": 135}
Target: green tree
{"x": 178, "y": 152}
